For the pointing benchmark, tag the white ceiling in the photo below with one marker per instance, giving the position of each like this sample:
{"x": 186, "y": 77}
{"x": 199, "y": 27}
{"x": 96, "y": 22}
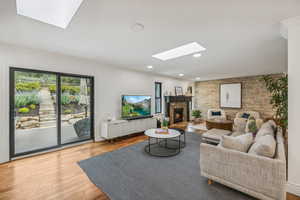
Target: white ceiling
{"x": 241, "y": 37}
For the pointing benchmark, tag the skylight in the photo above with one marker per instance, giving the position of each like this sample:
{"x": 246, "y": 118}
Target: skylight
{"x": 184, "y": 50}
{"x": 55, "y": 12}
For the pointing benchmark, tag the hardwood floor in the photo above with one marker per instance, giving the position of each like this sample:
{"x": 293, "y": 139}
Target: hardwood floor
{"x": 57, "y": 175}
{"x": 292, "y": 197}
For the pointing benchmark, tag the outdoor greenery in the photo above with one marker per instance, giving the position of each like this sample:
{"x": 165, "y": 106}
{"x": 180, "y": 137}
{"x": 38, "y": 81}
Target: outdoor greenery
{"x": 196, "y": 113}
{"x": 23, "y": 99}
{"x": 52, "y": 88}
{"x": 65, "y": 89}
{"x": 28, "y": 86}
{"x": 32, "y": 106}
{"x": 278, "y": 87}
{"x": 70, "y": 89}
{"x": 73, "y": 80}
{"x": 68, "y": 99}
{"x": 24, "y": 110}
{"x": 68, "y": 111}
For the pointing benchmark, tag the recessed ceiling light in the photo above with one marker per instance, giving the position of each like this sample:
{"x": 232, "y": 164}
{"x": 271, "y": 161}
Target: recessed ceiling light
{"x": 149, "y": 66}
{"x": 55, "y": 12}
{"x": 198, "y": 78}
{"x": 184, "y": 50}
{"x": 137, "y": 27}
{"x": 197, "y": 55}
{"x": 181, "y": 75}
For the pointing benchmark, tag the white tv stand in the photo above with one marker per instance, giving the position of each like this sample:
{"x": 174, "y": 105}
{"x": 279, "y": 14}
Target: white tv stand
{"x": 118, "y": 128}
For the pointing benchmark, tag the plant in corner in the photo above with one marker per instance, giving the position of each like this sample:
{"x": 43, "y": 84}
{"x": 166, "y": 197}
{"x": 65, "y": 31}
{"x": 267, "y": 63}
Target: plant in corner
{"x": 197, "y": 114}
{"x": 278, "y": 87}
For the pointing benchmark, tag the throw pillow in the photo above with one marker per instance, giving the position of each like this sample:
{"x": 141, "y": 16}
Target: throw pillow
{"x": 266, "y": 129}
{"x": 238, "y": 143}
{"x": 264, "y": 146}
{"x": 245, "y": 115}
{"x": 217, "y": 113}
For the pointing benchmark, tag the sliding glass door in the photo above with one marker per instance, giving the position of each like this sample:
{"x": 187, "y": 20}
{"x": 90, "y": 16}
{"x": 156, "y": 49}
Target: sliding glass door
{"x": 75, "y": 109}
{"x": 34, "y": 111}
{"x": 48, "y": 110}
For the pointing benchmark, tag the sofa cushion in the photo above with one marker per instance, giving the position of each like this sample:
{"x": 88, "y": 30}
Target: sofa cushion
{"x": 214, "y": 135}
{"x": 239, "y": 143}
{"x": 266, "y": 129}
{"x": 264, "y": 146}
{"x": 273, "y": 124}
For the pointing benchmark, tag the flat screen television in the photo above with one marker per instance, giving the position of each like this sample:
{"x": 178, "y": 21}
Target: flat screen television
{"x": 136, "y": 106}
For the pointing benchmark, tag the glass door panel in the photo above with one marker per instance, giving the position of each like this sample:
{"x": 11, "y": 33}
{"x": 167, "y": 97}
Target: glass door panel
{"x": 75, "y": 109}
{"x": 34, "y": 111}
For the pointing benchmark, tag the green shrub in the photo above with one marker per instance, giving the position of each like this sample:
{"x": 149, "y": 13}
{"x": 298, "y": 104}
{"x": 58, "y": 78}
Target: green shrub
{"x": 32, "y": 106}
{"x": 68, "y": 99}
{"x": 65, "y": 89}
{"x": 52, "y": 88}
{"x": 24, "y": 99}
{"x": 28, "y": 86}
{"x": 68, "y": 111}
{"x": 24, "y": 110}
{"x": 70, "y": 89}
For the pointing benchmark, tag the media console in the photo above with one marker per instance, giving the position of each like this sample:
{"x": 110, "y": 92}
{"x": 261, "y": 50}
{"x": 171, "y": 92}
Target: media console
{"x": 118, "y": 128}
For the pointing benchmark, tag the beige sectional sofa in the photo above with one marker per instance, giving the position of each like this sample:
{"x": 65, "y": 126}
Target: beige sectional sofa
{"x": 258, "y": 176}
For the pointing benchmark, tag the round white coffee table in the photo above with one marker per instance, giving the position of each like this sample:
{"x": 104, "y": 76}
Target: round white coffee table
{"x": 160, "y": 147}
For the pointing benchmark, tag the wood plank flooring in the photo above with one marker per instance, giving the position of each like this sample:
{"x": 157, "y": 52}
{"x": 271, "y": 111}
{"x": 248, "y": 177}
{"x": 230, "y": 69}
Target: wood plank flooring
{"x": 57, "y": 175}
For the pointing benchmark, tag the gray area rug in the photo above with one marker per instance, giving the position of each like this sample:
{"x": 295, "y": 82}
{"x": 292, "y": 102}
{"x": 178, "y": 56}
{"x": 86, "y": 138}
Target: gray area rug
{"x": 131, "y": 174}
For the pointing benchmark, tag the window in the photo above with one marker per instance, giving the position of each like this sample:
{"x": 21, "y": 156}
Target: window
{"x": 158, "y": 100}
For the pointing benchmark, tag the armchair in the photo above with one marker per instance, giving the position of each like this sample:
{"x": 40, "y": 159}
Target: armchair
{"x": 242, "y": 117}
{"x": 216, "y": 114}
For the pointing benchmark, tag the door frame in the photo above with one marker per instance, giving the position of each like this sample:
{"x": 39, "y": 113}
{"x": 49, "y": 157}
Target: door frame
{"x": 12, "y": 71}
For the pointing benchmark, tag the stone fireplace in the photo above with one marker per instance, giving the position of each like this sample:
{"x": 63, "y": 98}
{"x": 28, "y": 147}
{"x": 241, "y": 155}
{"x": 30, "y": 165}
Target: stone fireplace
{"x": 177, "y": 108}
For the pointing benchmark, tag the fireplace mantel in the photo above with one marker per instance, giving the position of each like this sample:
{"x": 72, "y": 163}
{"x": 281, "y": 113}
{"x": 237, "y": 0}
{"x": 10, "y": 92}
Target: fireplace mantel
{"x": 170, "y": 99}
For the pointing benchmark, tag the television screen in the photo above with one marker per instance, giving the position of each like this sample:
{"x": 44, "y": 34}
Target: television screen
{"x": 136, "y": 106}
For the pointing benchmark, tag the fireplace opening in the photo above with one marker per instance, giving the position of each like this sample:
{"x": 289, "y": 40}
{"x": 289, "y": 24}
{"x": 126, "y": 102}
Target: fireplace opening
{"x": 178, "y": 115}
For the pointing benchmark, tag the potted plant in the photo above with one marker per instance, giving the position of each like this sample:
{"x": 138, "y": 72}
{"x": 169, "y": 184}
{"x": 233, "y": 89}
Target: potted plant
{"x": 165, "y": 123}
{"x": 251, "y": 126}
{"x": 197, "y": 116}
{"x": 278, "y": 87}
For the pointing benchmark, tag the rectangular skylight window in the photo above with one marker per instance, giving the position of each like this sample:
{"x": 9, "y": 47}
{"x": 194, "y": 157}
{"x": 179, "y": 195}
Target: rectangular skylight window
{"x": 55, "y": 12}
{"x": 184, "y": 50}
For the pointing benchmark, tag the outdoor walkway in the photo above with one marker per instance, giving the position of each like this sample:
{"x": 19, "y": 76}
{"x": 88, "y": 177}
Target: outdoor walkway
{"x": 47, "y": 109}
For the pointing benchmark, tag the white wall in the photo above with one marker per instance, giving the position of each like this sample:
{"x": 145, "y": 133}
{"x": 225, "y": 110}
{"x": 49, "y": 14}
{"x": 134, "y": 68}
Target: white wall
{"x": 110, "y": 84}
{"x": 294, "y": 109}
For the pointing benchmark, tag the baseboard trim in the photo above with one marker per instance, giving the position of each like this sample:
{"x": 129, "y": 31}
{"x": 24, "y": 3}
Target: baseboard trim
{"x": 293, "y": 188}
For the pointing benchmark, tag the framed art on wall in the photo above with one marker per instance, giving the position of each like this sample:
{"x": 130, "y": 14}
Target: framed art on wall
{"x": 178, "y": 91}
{"x": 231, "y": 95}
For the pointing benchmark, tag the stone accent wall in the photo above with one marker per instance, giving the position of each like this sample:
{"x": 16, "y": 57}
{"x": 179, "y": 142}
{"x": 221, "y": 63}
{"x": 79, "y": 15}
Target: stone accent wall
{"x": 255, "y": 96}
